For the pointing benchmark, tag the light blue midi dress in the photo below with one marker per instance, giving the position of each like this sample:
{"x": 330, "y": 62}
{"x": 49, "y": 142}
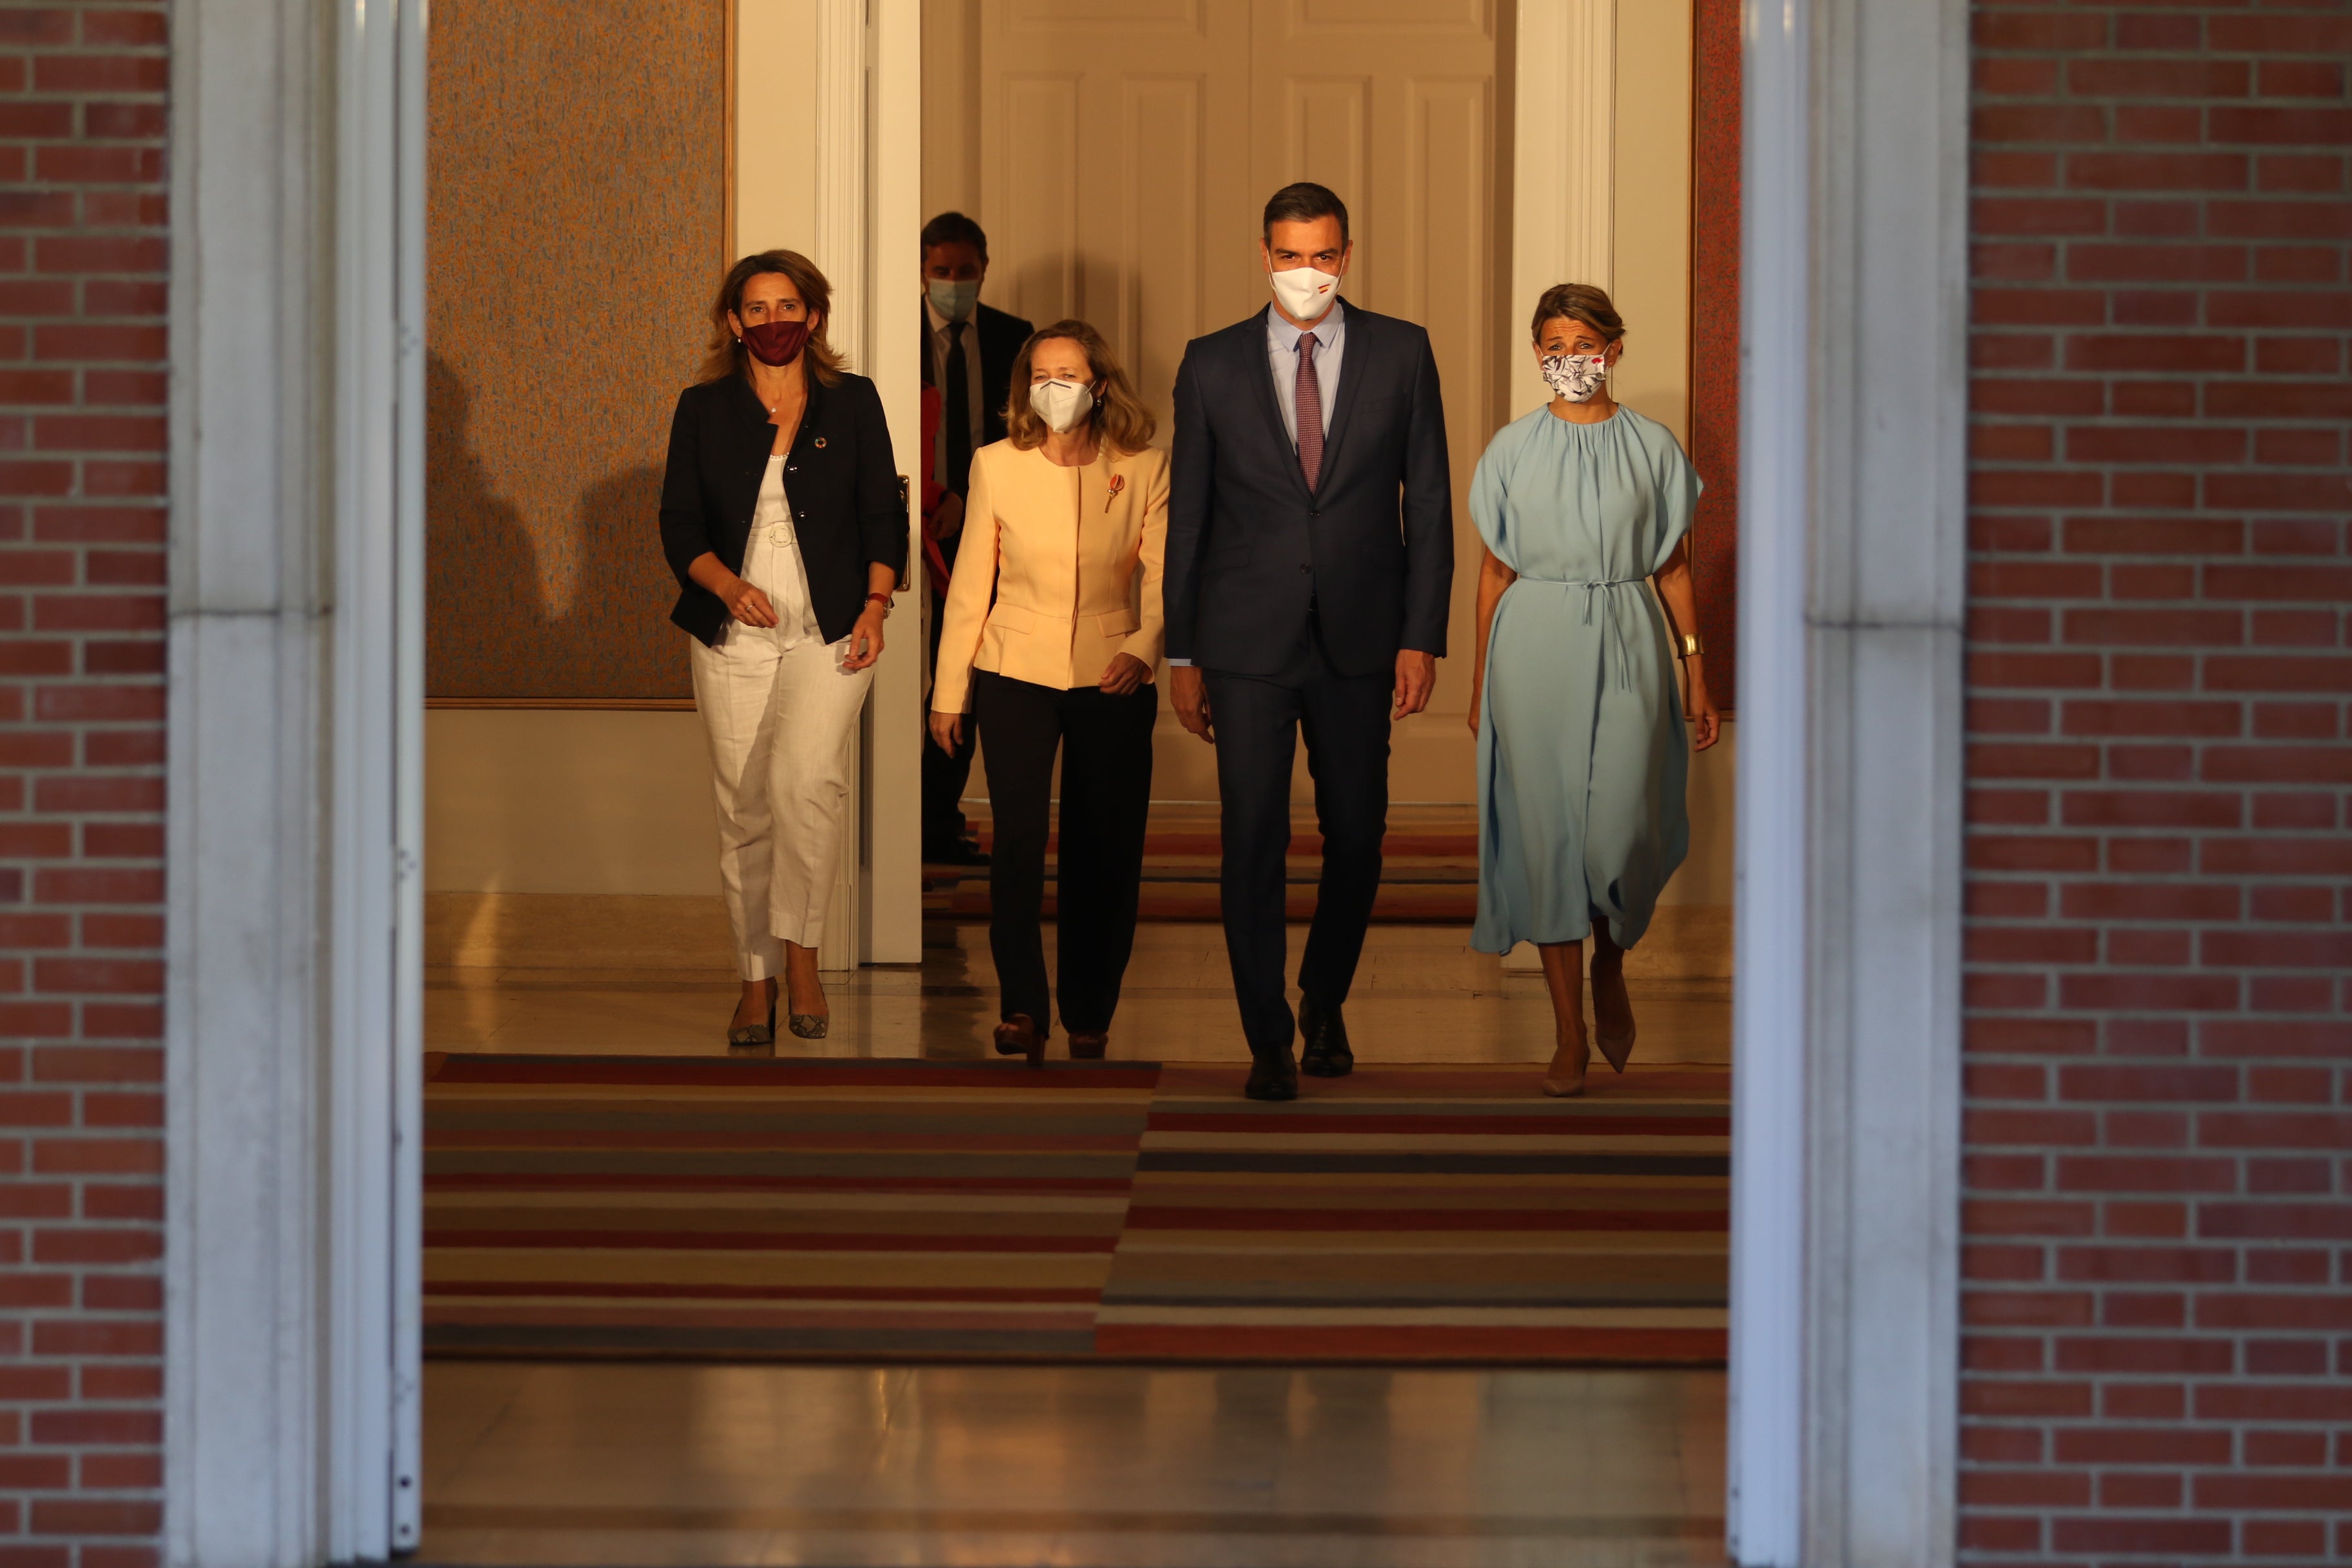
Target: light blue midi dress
{"x": 1582, "y": 753}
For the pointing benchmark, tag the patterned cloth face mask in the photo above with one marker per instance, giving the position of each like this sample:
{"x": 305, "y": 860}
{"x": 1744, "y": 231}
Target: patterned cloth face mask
{"x": 1575, "y": 377}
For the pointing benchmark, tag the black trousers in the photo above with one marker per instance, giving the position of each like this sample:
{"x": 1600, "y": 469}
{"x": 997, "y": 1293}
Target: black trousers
{"x": 1106, "y": 746}
{"x": 945, "y": 775}
{"x": 1258, "y": 718}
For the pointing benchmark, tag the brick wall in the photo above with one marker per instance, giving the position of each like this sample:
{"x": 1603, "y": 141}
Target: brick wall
{"x": 82, "y": 260}
{"x": 2157, "y": 1362}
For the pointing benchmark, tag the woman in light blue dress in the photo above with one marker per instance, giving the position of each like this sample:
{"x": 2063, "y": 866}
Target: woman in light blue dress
{"x": 1582, "y": 745}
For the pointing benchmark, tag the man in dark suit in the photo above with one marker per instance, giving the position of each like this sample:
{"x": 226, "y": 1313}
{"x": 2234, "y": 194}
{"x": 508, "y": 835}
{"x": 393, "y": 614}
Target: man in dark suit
{"x": 1310, "y": 561}
{"x": 967, "y": 353}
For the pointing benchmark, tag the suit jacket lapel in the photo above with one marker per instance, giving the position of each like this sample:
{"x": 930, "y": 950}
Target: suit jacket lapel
{"x": 1269, "y": 407}
{"x": 1351, "y": 381}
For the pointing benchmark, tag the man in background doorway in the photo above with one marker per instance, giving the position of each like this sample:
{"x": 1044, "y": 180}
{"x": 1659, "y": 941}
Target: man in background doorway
{"x": 969, "y": 349}
{"x": 1310, "y": 560}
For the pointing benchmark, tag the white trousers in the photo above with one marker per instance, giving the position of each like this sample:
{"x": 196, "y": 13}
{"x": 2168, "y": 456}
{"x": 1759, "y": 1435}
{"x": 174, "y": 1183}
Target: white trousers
{"x": 777, "y": 709}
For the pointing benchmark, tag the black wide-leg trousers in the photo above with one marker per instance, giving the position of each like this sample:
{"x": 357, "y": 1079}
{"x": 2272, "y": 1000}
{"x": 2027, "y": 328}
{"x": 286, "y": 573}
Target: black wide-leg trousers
{"x": 1258, "y": 720}
{"x": 1106, "y": 746}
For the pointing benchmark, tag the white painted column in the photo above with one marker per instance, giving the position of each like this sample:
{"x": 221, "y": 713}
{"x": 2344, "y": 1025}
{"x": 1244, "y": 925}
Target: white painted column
{"x": 892, "y": 902}
{"x": 1563, "y": 186}
{"x": 1846, "y": 1122}
{"x": 296, "y": 648}
{"x": 828, "y": 162}
{"x": 1564, "y": 152}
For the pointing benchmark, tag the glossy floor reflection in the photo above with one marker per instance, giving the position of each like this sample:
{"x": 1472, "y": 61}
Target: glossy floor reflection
{"x": 1421, "y": 995}
{"x": 1081, "y": 1467}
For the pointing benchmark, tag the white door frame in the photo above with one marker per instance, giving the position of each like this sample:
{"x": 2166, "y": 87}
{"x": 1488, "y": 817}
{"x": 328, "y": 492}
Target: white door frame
{"x": 296, "y": 717}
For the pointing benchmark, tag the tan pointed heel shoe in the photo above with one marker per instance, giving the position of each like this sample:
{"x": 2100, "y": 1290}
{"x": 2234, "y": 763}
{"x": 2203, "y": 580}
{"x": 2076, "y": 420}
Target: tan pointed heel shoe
{"x": 1560, "y": 1087}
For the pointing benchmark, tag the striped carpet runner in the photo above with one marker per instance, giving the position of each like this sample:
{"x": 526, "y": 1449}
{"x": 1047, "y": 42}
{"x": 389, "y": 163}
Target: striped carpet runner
{"x": 1427, "y": 1212}
{"x": 702, "y": 1208}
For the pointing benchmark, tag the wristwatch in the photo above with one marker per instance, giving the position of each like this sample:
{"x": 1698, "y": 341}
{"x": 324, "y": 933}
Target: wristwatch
{"x": 881, "y": 599}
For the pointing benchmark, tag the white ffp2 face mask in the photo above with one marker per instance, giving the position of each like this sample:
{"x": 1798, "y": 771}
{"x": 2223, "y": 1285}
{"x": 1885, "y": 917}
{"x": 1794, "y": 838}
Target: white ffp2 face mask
{"x": 1062, "y": 404}
{"x": 1575, "y": 377}
{"x": 1305, "y": 293}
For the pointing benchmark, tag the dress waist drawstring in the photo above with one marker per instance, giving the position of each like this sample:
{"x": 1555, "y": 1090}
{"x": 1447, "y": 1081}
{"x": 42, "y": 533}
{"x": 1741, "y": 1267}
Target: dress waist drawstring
{"x": 1617, "y": 628}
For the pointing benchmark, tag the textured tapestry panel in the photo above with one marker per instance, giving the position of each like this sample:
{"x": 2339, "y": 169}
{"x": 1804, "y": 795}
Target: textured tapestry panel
{"x": 577, "y": 215}
{"x": 1715, "y": 335}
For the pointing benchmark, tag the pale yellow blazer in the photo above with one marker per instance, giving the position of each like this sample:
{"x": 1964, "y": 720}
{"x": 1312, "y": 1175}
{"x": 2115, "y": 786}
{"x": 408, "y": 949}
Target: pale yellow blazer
{"x": 1074, "y": 556}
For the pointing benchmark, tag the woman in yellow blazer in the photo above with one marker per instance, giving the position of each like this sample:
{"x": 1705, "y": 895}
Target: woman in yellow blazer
{"x": 1065, "y": 523}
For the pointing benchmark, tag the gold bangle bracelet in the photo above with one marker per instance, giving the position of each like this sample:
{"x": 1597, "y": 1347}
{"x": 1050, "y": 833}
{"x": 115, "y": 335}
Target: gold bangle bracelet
{"x": 1690, "y": 645}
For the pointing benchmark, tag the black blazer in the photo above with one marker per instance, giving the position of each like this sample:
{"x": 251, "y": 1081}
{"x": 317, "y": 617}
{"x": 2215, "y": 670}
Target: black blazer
{"x": 839, "y": 477}
{"x": 1250, "y": 548}
{"x": 1001, "y": 336}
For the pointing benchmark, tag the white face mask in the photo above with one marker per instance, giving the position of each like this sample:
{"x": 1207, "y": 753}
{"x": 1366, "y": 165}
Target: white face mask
{"x": 1575, "y": 377}
{"x": 1305, "y": 293}
{"x": 1062, "y": 404}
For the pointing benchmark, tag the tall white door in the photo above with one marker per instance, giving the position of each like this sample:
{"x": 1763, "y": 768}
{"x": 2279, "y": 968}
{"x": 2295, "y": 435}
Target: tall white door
{"x": 1125, "y": 150}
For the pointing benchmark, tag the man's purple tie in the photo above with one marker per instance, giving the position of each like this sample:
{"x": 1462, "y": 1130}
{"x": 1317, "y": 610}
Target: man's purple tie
{"x": 1308, "y": 403}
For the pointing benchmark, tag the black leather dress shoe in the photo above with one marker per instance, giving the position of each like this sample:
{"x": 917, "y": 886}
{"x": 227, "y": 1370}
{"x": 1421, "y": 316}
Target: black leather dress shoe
{"x": 1326, "y": 1052}
{"x": 1273, "y": 1076}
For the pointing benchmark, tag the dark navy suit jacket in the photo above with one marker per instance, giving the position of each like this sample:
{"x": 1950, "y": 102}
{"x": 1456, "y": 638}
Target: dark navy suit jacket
{"x": 1250, "y": 548}
{"x": 839, "y": 477}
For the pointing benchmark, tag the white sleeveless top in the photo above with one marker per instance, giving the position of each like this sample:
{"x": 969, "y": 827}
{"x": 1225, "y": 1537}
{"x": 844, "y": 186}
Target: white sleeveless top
{"x": 771, "y": 560}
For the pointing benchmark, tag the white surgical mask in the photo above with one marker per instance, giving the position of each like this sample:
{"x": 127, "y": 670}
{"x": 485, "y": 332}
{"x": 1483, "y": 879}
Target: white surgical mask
{"x": 953, "y": 301}
{"x": 1062, "y": 404}
{"x": 1575, "y": 377}
{"x": 1304, "y": 293}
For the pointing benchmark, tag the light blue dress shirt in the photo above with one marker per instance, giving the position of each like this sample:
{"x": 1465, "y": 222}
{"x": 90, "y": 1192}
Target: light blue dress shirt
{"x": 1282, "y": 359}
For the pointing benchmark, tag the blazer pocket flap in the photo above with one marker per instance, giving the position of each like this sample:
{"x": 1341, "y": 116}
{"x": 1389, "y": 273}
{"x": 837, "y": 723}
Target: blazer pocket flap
{"x": 1117, "y": 623}
{"x": 1007, "y": 617}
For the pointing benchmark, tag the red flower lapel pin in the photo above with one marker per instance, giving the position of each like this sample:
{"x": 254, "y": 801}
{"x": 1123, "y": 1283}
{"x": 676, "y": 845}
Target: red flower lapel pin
{"x": 1110, "y": 492}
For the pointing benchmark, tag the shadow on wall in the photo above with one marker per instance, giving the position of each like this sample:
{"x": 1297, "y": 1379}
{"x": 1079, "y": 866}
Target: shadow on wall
{"x": 521, "y": 607}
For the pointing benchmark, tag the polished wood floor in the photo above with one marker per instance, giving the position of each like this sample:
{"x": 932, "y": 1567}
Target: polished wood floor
{"x": 1081, "y": 1467}
{"x": 1421, "y": 995}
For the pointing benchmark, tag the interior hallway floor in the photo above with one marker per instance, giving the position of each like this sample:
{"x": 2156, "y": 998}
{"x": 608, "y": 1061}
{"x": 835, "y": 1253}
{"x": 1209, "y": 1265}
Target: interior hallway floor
{"x": 1421, "y": 995}
{"x": 1082, "y": 1466}
{"x": 1076, "y": 1466}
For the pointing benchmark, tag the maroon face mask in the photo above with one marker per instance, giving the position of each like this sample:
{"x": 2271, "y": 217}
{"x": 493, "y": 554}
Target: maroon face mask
{"x": 776, "y": 343}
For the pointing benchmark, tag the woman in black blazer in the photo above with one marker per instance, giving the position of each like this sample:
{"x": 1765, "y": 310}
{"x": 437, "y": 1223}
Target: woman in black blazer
{"x": 782, "y": 519}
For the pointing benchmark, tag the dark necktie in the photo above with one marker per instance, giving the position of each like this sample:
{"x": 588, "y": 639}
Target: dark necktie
{"x": 958, "y": 414}
{"x": 1308, "y": 403}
